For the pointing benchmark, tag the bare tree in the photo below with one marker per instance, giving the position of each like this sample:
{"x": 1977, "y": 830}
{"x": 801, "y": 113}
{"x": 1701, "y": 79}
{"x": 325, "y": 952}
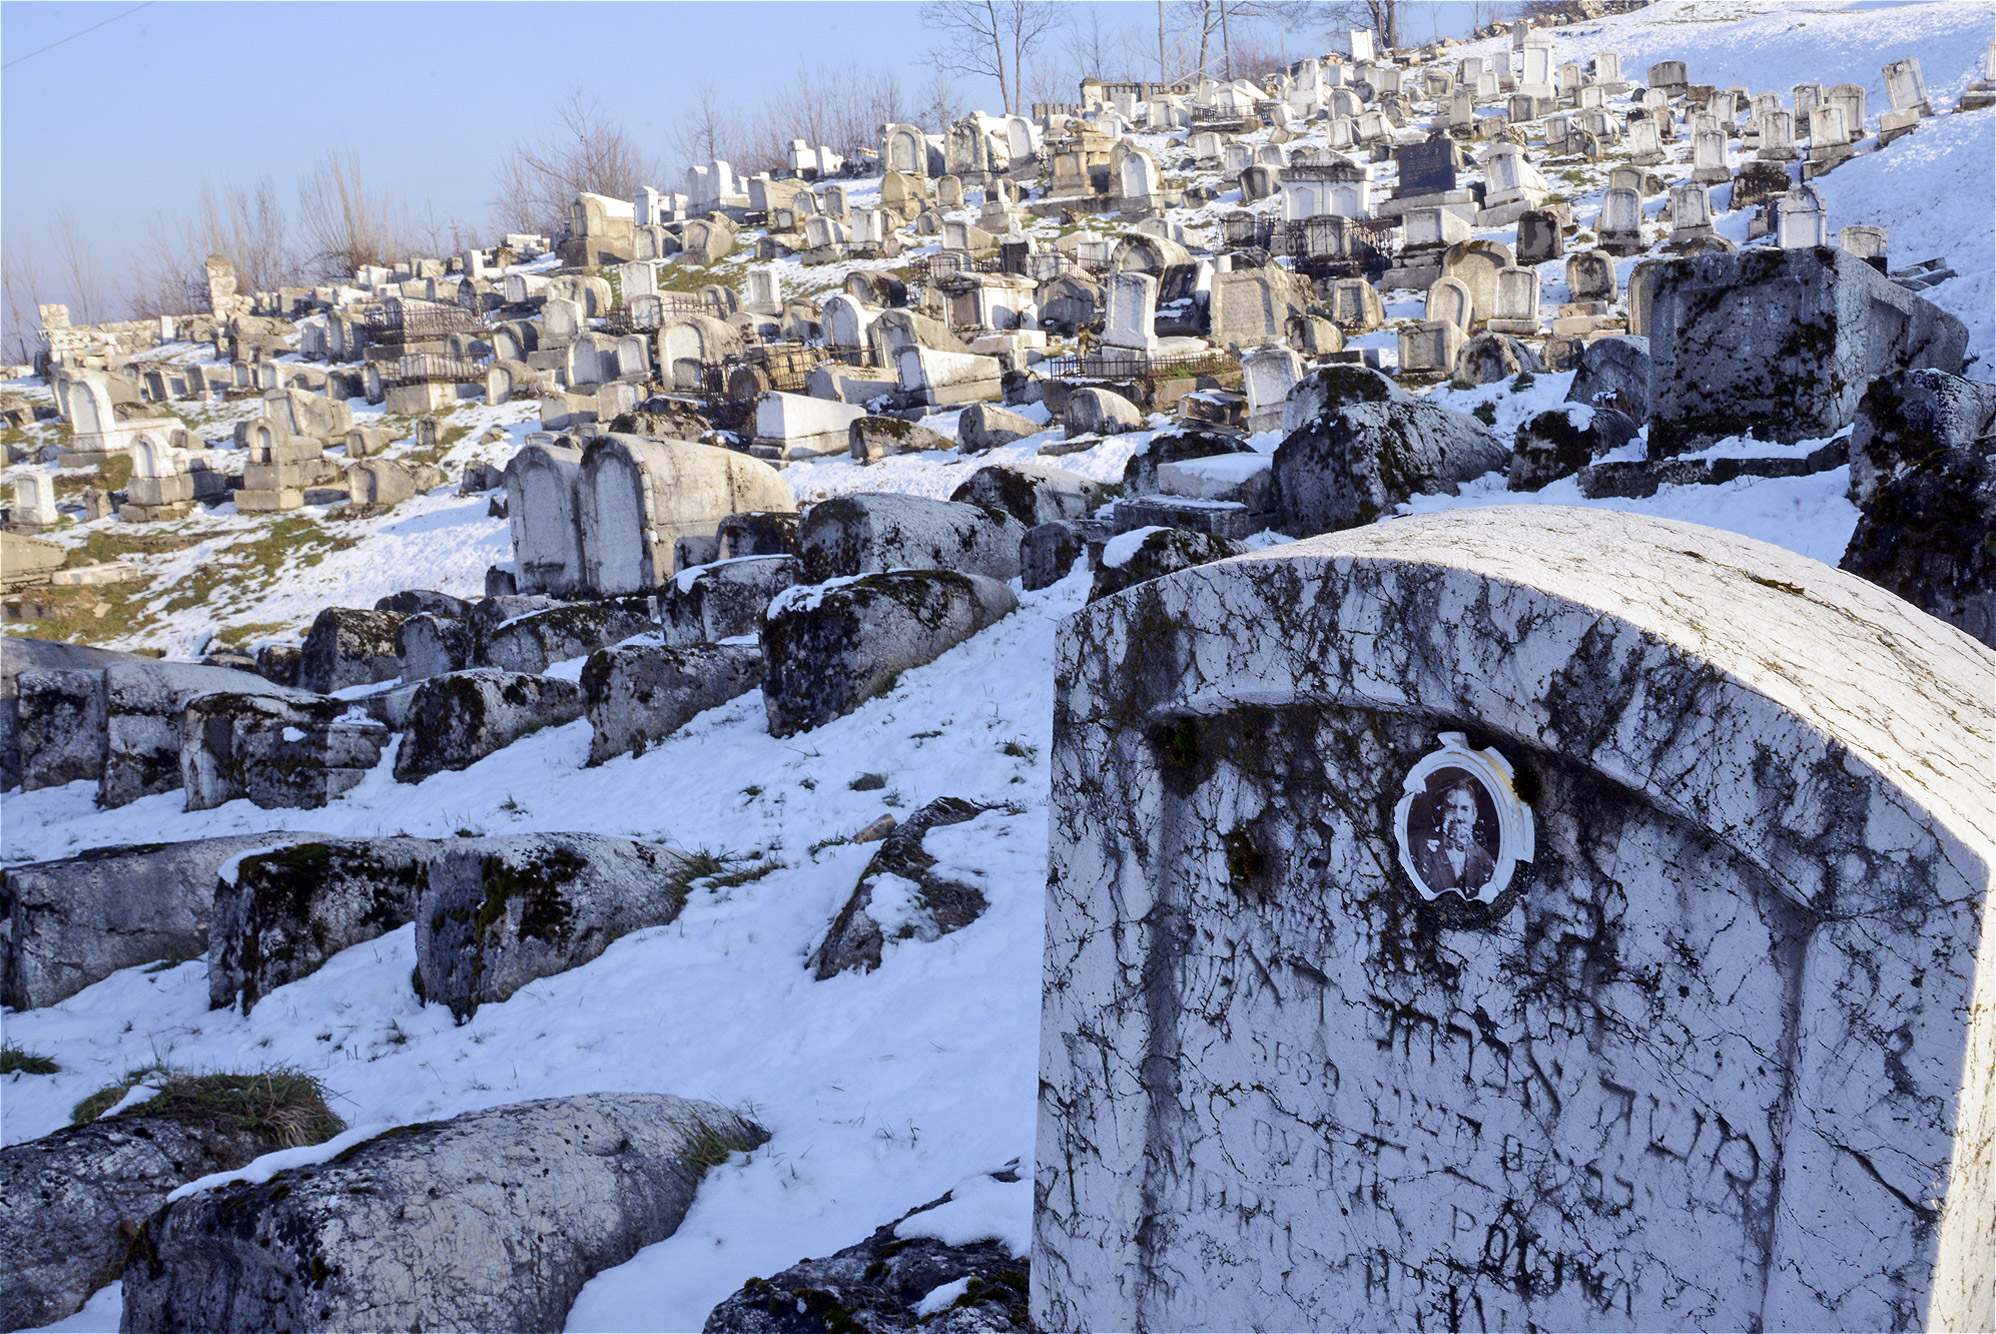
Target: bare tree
{"x": 990, "y": 39}
{"x": 939, "y": 106}
{"x": 79, "y": 276}
{"x": 706, "y": 133}
{"x": 585, "y": 152}
{"x": 22, "y": 286}
{"x": 347, "y": 222}
{"x": 1099, "y": 52}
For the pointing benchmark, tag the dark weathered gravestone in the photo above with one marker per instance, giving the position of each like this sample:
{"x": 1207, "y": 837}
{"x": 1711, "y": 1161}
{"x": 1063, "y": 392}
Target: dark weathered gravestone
{"x": 1426, "y": 168}
{"x": 1510, "y": 918}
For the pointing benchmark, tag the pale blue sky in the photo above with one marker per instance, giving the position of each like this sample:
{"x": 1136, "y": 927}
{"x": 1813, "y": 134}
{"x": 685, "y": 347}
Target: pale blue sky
{"x": 126, "y": 121}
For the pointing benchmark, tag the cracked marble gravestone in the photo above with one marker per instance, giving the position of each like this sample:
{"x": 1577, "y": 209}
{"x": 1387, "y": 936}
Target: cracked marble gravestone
{"x": 1518, "y": 918}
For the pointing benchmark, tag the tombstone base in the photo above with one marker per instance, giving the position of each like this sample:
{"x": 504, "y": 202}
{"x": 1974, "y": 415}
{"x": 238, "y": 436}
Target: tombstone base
{"x": 1525, "y": 328}
{"x": 1217, "y": 518}
{"x": 1462, "y": 203}
{"x": 155, "y": 513}
{"x": 1822, "y": 161}
{"x": 265, "y": 502}
{"x": 1621, "y": 244}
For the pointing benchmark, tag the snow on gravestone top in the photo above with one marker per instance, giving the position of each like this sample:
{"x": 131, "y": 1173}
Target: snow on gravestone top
{"x": 1710, "y": 1058}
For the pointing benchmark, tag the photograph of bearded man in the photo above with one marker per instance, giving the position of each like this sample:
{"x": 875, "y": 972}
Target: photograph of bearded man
{"x": 1452, "y": 858}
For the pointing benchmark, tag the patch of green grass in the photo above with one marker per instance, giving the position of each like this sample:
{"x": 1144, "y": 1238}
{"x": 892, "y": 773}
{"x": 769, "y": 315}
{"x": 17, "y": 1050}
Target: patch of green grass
{"x": 1485, "y": 413}
{"x": 713, "y": 871}
{"x": 19, "y": 1060}
{"x": 1524, "y": 381}
{"x": 282, "y": 1103}
{"x": 1019, "y": 750}
{"x": 104, "y": 1099}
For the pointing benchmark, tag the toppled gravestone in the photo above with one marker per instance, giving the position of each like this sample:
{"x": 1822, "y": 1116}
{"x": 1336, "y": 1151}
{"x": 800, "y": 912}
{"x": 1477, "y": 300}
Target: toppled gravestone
{"x": 66, "y": 924}
{"x": 281, "y": 912}
{"x": 71, "y": 1201}
{"x": 983, "y": 426}
{"x": 1092, "y": 410}
{"x": 490, "y": 1221}
{"x": 143, "y": 706}
{"x": 349, "y": 647}
{"x": 873, "y": 438}
{"x": 497, "y": 913}
{"x": 1904, "y": 421}
{"x": 535, "y": 641}
{"x": 889, "y": 1283}
{"x": 1614, "y": 372}
{"x": 430, "y": 644}
{"x": 705, "y": 604}
{"x": 1047, "y": 554}
{"x": 642, "y": 693}
{"x": 854, "y": 535}
{"x": 828, "y": 648}
{"x": 1923, "y": 473}
{"x": 900, "y": 896}
{"x": 1780, "y": 344}
{"x": 423, "y": 602}
{"x": 1143, "y": 554}
{"x": 1190, "y": 442}
{"x": 1561, "y": 441}
{"x": 457, "y": 719}
{"x": 1364, "y": 454}
{"x": 1526, "y": 916}
{"x": 1032, "y": 493}
{"x": 20, "y": 654}
{"x": 277, "y": 752}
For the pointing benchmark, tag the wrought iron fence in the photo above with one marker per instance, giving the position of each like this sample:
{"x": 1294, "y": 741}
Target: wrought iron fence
{"x": 416, "y": 322}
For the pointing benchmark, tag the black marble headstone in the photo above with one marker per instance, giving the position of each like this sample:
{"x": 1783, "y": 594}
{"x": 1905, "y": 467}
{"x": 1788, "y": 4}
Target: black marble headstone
{"x": 1427, "y": 168}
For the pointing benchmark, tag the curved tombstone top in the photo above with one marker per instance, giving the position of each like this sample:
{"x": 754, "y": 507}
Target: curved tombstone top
{"x": 541, "y": 513}
{"x": 639, "y": 496}
{"x": 1764, "y": 835}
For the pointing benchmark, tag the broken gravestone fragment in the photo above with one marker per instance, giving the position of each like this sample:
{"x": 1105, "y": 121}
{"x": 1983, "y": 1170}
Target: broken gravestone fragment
{"x": 901, "y": 895}
{"x": 520, "y": 1204}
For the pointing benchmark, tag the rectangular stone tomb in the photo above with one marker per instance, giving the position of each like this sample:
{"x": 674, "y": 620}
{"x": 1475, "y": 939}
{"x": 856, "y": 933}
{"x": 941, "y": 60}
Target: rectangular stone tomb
{"x": 1518, "y": 918}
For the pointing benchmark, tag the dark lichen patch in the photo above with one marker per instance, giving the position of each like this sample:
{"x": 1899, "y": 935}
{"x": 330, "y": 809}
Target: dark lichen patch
{"x": 539, "y": 883}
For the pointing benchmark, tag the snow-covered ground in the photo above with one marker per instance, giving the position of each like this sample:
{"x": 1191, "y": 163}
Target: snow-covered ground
{"x": 884, "y": 1090}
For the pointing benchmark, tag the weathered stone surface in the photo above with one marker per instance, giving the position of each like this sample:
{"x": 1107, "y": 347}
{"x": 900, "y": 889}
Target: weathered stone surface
{"x": 457, "y": 719}
{"x": 879, "y": 1284}
{"x": 61, "y": 726}
{"x": 645, "y": 692}
{"x": 533, "y": 642}
{"x": 66, "y": 924}
{"x": 519, "y": 1205}
{"x": 18, "y": 654}
{"x": 287, "y": 909}
{"x": 71, "y": 1201}
{"x": 831, "y": 647}
{"x": 499, "y": 912}
{"x": 430, "y": 645}
{"x": 1562, "y": 441}
{"x": 1032, "y": 493}
{"x": 1654, "y": 1065}
{"x": 1906, "y": 420}
{"x": 1140, "y": 473}
{"x": 143, "y": 703}
{"x": 278, "y": 752}
{"x": 423, "y": 601}
{"x": 1047, "y": 554}
{"x": 1490, "y": 357}
{"x": 902, "y": 895}
{"x": 1356, "y": 462}
{"x": 1143, "y": 554}
{"x": 1780, "y": 344}
{"x": 349, "y": 647}
{"x": 725, "y": 600}
{"x": 1328, "y": 388}
{"x": 883, "y": 437}
{"x": 985, "y": 426}
{"x": 1614, "y": 372}
{"x": 862, "y": 534}
{"x": 1095, "y": 411}
{"x": 1929, "y": 535}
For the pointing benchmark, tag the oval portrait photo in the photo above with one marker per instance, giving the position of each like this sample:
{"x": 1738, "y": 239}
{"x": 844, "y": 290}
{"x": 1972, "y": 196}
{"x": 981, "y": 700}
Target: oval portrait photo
{"x": 1460, "y": 824}
{"x": 1452, "y": 827}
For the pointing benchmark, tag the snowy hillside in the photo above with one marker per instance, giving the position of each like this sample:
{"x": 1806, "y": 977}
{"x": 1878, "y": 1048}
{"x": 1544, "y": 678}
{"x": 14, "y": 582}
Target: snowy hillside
{"x": 881, "y": 1090}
